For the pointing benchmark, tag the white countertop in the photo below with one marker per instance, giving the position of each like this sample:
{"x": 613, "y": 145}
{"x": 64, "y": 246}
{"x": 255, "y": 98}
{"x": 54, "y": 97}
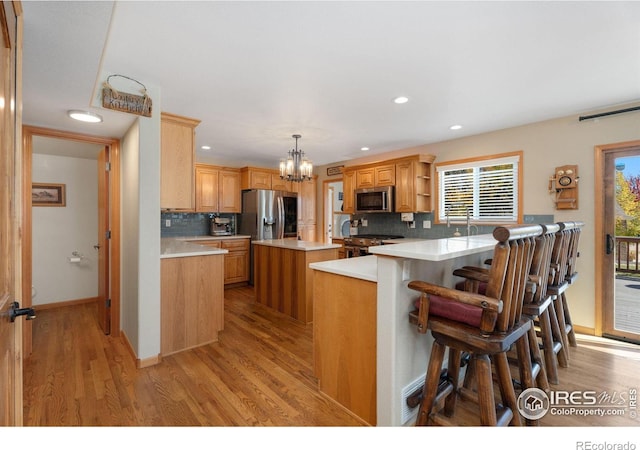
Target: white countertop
{"x": 362, "y": 267}
{"x": 437, "y": 249}
{"x": 294, "y": 244}
{"x": 179, "y": 247}
{"x": 212, "y": 238}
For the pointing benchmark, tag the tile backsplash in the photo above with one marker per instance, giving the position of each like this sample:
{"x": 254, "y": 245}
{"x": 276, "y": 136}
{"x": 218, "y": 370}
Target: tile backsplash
{"x": 197, "y": 224}
{"x": 189, "y": 224}
{"x": 390, "y": 223}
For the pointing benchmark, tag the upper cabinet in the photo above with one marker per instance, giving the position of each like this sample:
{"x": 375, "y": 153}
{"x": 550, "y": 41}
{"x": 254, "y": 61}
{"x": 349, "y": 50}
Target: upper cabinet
{"x": 410, "y": 175}
{"x": 217, "y": 189}
{"x": 413, "y": 184}
{"x": 348, "y": 186}
{"x": 255, "y": 178}
{"x": 177, "y": 162}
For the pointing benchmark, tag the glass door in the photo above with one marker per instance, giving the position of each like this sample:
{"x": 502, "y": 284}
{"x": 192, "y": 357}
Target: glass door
{"x": 621, "y": 293}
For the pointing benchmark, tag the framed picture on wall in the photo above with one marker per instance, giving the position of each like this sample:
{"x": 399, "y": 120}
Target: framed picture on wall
{"x": 48, "y": 194}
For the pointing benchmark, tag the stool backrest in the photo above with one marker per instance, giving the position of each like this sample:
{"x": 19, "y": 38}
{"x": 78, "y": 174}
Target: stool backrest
{"x": 574, "y": 229}
{"x": 540, "y": 266}
{"x": 511, "y": 264}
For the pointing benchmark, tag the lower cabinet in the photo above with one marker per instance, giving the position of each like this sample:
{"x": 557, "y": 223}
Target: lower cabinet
{"x": 236, "y": 262}
{"x": 192, "y": 302}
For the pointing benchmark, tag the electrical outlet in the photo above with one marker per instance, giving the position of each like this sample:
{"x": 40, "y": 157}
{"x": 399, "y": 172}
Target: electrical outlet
{"x": 412, "y": 224}
{"x": 167, "y": 223}
{"x": 364, "y": 222}
{"x": 426, "y": 224}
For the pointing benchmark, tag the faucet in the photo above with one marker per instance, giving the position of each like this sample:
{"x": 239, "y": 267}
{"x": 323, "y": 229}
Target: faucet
{"x": 446, "y": 213}
{"x": 469, "y": 222}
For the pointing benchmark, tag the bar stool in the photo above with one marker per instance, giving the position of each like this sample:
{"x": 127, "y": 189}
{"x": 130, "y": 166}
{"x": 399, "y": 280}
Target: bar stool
{"x": 482, "y": 326}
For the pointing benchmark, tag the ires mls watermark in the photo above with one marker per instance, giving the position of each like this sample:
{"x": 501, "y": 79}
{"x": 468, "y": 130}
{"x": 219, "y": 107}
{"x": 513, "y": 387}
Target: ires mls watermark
{"x": 534, "y": 403}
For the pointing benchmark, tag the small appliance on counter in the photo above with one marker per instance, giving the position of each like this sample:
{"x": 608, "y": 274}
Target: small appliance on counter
{"x": 220, "y": 226}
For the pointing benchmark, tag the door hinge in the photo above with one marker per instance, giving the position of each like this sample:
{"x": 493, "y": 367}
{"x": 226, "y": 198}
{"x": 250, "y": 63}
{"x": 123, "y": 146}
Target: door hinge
{"x": 108, "y": 303}
{"x": 107, "y": 166}
{"x": 107, "y": 235}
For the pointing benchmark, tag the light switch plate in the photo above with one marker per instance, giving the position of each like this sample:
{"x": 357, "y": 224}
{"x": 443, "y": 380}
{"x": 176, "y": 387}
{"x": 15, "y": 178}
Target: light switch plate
{"x": 426, "y": 224}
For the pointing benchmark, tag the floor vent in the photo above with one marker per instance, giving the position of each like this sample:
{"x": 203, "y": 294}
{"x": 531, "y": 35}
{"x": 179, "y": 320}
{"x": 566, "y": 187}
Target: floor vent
{"x": 408, "y": 413}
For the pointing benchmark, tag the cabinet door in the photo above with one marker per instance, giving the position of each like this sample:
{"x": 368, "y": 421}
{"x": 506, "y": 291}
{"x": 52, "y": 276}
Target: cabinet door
{"x": 348, "y": 186}
{"x": 405, "y": 187}
{"x": 206, "y": 189}
{"x": 385, "y": 175}
{"x": 177, "y": 162}
{"x": 307, "y": 202}
{"x": 278, "y": 184}
{"x": 365, "y": 178}
{"x": 260, "y": 179}
{"x": 236, "y": 262}
{"x": 229, "y": 200}
{"x": 307, "y": 232}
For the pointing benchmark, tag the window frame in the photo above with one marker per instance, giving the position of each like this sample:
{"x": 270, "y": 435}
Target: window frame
{"x": 478, "y": 162}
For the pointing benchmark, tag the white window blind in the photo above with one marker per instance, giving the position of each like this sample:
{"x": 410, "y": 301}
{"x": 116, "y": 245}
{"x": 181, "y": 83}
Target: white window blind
{"x": 487, "y": 189}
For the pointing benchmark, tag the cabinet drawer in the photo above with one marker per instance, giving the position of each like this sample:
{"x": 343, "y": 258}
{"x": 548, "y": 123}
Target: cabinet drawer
{"x": 235, "y": 244}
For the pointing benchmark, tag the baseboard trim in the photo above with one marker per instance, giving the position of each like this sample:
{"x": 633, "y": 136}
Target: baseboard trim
{"x": 140, "y": 363}
{"x": 584, "y": 330}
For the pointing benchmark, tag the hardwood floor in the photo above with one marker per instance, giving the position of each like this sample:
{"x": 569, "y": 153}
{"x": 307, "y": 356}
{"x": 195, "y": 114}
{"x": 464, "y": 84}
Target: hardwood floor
{"x": 259, "y": 374}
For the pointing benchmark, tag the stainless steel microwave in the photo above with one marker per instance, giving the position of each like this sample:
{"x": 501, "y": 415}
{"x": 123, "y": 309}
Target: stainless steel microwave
{"x": 372, "y": 200}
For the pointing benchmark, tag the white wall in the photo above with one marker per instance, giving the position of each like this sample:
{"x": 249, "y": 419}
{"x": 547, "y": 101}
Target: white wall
{"x": 546, "y": 145}
{"x": 59, "y": 231}
{"x": 140, "y": 265}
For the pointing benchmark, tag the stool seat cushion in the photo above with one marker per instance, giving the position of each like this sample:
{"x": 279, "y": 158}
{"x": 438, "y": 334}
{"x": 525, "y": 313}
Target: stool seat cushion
{"x": 452, "y": 310}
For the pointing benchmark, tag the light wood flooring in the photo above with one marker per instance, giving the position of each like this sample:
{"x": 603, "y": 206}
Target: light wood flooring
{"x": 259, "y": 374}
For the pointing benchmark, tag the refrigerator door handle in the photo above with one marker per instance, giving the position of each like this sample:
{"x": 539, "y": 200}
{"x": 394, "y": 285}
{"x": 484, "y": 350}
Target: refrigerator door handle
{"x": 280, "y": 225}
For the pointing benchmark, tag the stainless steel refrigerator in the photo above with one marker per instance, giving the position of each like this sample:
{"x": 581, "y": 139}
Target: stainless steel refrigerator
{"x": 268, "y": 214}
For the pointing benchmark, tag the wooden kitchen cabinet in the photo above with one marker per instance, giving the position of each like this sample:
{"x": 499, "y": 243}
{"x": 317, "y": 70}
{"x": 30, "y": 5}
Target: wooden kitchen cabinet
{"x": 191, "y": 302}
{"x": 278, "y": 184}
{"x": 255, "y": 178}
{"x": 177, "y": 162}
{"x": 348, "y": 187}
{"x": 307, "y": 218}
{"x": 236, "y": 262}
{"x": 365, "y": 178}
{"x": 413, "y": 184}
{"x": 217, "y": 189}
{"x": 376, "y": 176}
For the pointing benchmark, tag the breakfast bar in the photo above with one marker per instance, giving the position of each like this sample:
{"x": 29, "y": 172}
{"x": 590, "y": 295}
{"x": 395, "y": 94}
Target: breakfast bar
{"x": 401, "y": 353}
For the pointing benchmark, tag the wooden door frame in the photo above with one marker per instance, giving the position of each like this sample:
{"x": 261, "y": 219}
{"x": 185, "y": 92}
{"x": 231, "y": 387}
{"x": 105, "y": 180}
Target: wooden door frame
{"x": 114, "y": 219}
{"x": 601, "y": 151}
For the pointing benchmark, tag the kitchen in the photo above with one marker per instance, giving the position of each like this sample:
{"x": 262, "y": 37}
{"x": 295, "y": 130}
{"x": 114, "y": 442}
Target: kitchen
{"x": 540, "y": 158}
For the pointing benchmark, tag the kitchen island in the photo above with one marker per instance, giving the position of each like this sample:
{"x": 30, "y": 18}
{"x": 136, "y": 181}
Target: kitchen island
{"x": 191, "y": 295}
{"x": 282, "y": 278}
{"x": 401, "y": 353}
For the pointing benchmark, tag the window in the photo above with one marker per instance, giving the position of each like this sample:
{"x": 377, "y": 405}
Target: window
{"x": 487, "y": 189}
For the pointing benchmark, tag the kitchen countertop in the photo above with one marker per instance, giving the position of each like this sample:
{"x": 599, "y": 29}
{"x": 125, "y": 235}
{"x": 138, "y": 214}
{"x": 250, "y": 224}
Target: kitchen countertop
{"x": 437, "y": 249}
{"x": 212, "y": 238}
{"x": 179, "y": 248}
{"x": 294, "y": 244}
{"x": 363, "y": 267}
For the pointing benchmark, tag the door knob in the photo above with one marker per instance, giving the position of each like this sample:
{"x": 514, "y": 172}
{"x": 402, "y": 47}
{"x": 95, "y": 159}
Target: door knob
{"x": 97, "y": 247}
{"x": 17, "y": 311}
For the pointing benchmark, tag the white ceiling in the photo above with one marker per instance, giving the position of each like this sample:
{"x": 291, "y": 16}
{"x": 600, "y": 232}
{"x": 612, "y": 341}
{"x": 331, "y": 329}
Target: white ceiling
{"x": 257, "y": 72}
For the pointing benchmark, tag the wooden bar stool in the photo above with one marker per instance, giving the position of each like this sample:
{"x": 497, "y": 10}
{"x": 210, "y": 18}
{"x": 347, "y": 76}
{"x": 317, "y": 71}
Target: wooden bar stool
{"x": 484, "y": 326}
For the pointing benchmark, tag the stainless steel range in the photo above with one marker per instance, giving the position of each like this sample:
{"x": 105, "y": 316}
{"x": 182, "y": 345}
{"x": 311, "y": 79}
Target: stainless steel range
{"x": 359, "y": 245}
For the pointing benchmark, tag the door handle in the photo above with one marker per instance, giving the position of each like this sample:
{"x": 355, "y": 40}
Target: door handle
{"x": 97, "y": 247}
{"x": 610, "y": 244}
{"x": 17, "y": 311}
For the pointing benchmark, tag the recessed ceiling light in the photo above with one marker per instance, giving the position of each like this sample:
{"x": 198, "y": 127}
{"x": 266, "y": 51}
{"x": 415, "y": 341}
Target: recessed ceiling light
{"x": 455, "y": 127}
{"x": 364, "y": 149}
{"x": 206, "y": 147}
{"x": 400, "y": 100}
{"x": 84, "y": 116}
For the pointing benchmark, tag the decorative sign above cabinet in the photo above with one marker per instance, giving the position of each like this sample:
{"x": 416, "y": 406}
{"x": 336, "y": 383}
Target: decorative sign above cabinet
{"x": 140, "y": 105}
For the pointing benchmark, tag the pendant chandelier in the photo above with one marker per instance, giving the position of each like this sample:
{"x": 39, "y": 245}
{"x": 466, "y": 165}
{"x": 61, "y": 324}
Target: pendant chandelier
{"x": 296, "y": 167}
